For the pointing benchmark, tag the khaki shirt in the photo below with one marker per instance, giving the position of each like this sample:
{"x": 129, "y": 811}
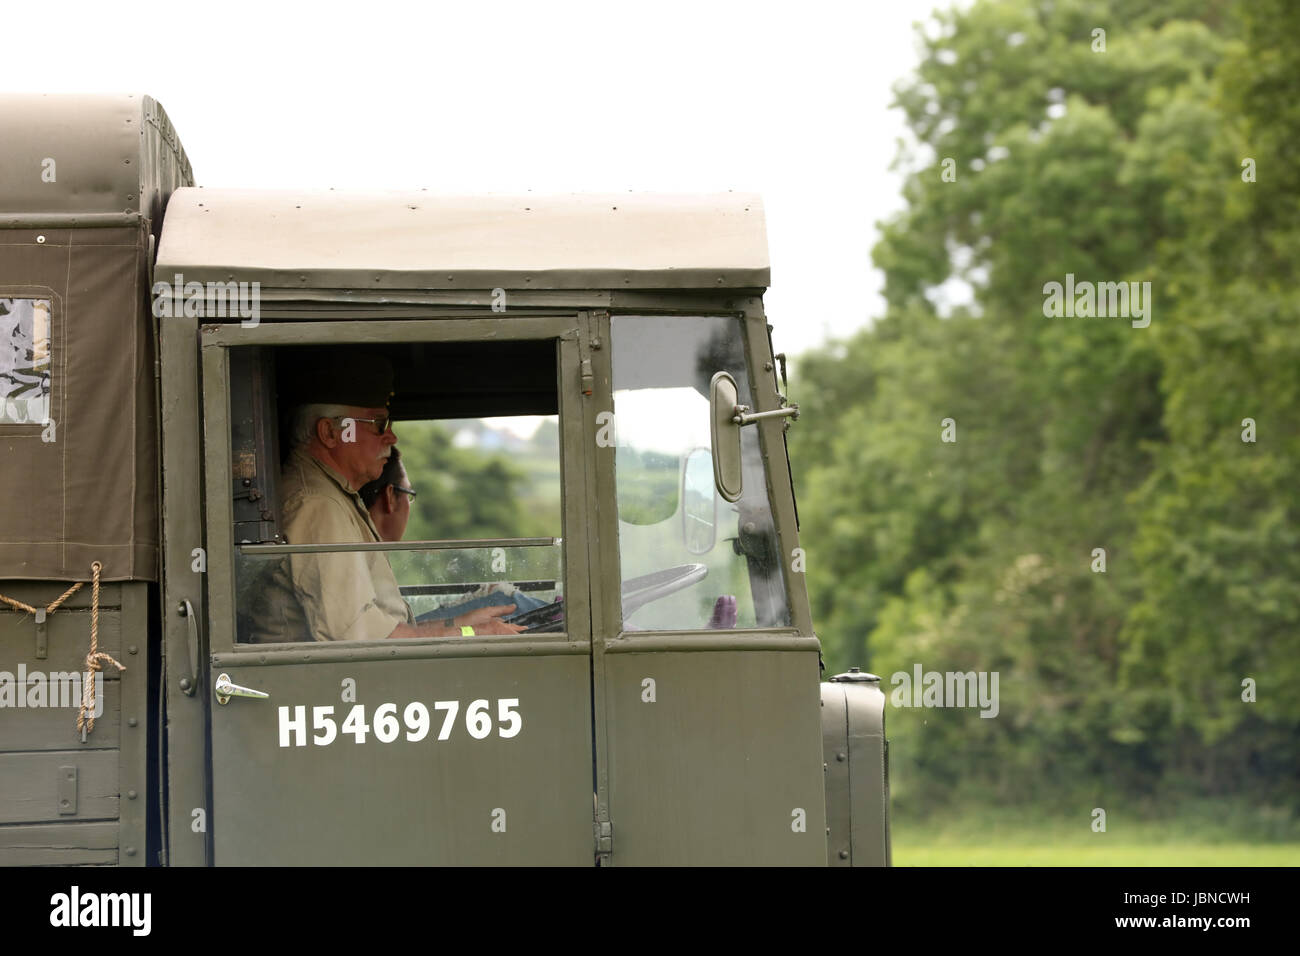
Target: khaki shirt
{"x": 351, "y": 596}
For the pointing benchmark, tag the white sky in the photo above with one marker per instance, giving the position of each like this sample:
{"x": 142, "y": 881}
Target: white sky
{"x": 786, "y": 99}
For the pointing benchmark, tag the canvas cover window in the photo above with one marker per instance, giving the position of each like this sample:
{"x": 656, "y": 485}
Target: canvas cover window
{"x": 24, "y": 361}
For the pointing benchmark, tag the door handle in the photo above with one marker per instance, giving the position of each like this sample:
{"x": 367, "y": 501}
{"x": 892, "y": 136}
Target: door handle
{"x": 226, "y": 690}
{"x": 189, "y": 682}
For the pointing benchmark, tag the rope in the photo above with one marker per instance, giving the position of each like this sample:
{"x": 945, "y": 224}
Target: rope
{"x": 94, "y": 659}
{"x": 20, "y": 606}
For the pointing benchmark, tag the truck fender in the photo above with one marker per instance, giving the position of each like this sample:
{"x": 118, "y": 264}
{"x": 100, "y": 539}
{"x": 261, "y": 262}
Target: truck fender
{"x": 856, "y": 755}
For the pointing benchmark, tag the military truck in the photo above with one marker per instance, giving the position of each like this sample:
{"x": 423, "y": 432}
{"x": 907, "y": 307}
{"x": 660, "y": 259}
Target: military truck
{"x": 613, "y": 349}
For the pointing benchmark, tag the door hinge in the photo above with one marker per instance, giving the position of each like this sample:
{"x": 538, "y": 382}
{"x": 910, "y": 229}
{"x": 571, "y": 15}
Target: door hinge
{"x": 603, "y": 831}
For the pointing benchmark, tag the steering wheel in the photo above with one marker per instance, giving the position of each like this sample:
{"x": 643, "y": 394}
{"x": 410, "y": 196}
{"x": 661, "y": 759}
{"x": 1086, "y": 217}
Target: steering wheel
{"x": 640, "y": 591}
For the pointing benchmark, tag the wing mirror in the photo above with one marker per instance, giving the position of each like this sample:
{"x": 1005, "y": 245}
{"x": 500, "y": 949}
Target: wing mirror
{"x": 725, "y": 433}
{"x": 727, "y": 417}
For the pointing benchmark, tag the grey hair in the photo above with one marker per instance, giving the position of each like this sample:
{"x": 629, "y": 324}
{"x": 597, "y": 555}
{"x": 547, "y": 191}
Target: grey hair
{"x": 305, "y": 417}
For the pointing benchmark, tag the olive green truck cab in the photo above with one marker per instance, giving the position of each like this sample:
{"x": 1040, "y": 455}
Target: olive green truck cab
{"x": 591, "y": 422}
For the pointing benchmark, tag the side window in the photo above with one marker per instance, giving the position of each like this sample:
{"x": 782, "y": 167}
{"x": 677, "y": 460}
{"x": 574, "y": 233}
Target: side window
{"x": 25, "y": 381}
{"x": 690, "y": 560}
{"x": 474, "y": 479}
{"x": 440, "y": 510}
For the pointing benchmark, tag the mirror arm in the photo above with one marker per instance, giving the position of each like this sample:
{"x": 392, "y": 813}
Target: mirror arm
{"x": 743, "y": 416}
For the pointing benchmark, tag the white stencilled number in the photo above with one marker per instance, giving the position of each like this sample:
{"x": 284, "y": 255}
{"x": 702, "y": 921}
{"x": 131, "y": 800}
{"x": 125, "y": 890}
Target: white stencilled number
{"x": 386, "y": 726}
{"x": 417, "y": 719}
{"x": 452, "y": 707}
{"x": 321, "y": 720}
{"x": 355, "y": 723}
{"x": 506, "y": 715}
{"x": 477, "y": 719}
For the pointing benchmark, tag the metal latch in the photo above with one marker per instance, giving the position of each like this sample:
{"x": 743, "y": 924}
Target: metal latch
{"x": 66, "y": 791}
{"x": 856, "y": 675}
{"x": 42, "y": 636}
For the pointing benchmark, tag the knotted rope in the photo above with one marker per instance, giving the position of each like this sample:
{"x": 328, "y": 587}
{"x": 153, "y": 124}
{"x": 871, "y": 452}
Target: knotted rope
{"x": 85, "y": 720}
{"x": 95, "y": 659}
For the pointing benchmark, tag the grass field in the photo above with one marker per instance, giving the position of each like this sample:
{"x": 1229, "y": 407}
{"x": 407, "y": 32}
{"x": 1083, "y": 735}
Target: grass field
{"x": 1200, "y": 836}
{"x": 907, "y": 853}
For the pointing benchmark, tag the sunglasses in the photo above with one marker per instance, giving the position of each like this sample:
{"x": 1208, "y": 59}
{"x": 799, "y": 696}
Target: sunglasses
{"x": 381, "y": 424}
{"x": 405, "y": 491}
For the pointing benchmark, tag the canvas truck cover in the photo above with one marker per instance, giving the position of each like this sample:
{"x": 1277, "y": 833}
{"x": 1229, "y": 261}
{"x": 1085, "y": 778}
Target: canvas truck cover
{"x": 84, "y": 181}
{"x": 300, "y": 245}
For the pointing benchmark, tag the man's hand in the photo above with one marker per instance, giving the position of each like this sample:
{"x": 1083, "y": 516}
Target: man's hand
{"x": 486, "y": 620}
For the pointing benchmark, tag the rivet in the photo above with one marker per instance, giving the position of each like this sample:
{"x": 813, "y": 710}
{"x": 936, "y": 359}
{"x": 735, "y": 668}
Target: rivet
{"x": 133, "y": 649}
{"x": 130, "y": 851}
{"x": 131, "y": 722}
{"x": 841, "y": 757}
{"x": 130, "y": 794}
{"x": 844, "y": 854}
{"x": 40, "y": 238}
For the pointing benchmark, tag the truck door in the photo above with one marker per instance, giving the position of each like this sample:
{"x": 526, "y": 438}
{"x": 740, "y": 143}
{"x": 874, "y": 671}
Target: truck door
{"x": 709, "y": 742}
{"x": 466, "y": 750}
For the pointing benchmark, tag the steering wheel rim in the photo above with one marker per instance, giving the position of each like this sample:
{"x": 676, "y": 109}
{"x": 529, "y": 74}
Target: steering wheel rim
{"x": 641, "y": 590}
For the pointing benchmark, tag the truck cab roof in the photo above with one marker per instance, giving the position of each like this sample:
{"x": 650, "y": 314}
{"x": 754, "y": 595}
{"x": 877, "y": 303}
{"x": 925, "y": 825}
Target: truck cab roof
{"x": 392, "y": 241}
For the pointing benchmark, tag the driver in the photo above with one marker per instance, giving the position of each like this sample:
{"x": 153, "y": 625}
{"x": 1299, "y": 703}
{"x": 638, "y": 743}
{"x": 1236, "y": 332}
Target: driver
{"x": 341, "y": 438}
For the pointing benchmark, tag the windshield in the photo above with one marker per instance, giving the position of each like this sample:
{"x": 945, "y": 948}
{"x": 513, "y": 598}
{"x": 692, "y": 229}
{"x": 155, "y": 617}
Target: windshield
{"x": 690, "y": 560}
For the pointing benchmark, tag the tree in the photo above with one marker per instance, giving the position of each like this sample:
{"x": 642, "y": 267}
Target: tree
{"x": 962, "y": 467}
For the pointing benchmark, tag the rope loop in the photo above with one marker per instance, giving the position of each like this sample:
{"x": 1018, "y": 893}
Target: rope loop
{"x": 94, "y": 659}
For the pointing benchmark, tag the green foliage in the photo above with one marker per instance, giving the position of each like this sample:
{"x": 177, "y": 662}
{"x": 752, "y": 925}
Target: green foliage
{"x": 1077, "y": 433}
{"x": 1218, "y": 543}
{"x": 468, "y": 493}
{"x": 647, "y": 485}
